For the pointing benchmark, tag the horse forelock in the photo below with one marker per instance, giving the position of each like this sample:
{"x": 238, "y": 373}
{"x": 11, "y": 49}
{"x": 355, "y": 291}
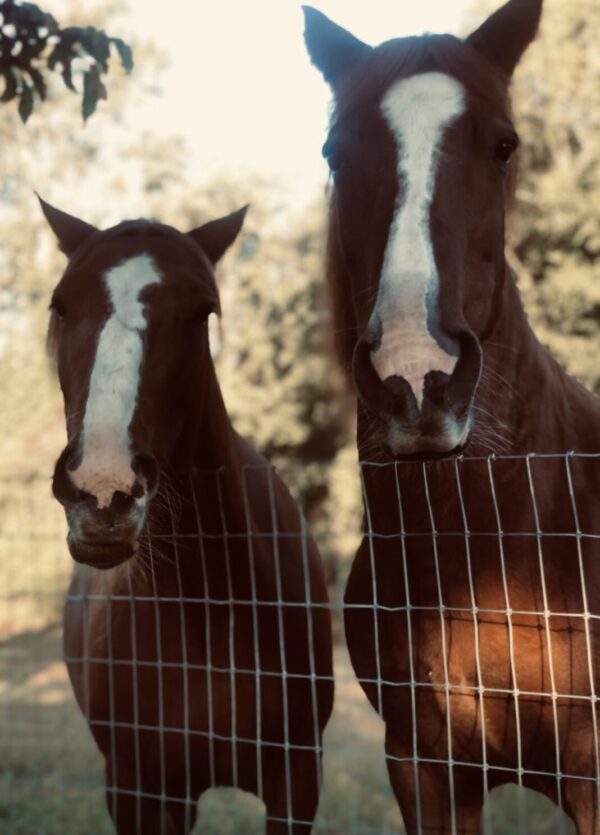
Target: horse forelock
{"x": 404, "y": 57}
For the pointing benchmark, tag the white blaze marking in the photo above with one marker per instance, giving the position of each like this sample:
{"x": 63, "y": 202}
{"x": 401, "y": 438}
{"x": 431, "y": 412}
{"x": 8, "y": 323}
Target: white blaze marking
{"x": 106, "y": 456}
{"x": 417, "y": 110}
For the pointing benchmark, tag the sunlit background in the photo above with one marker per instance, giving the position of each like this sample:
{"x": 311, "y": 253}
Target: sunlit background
{"x": 239, "y": 88}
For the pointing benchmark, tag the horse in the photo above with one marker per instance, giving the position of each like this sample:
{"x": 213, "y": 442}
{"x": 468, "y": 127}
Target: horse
{"x": 471, "y": 608}
{"x": 196, "y": 630}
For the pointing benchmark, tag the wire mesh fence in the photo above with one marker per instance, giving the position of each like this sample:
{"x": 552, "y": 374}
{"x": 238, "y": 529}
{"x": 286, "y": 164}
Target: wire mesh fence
{"x": 509, "y": 693}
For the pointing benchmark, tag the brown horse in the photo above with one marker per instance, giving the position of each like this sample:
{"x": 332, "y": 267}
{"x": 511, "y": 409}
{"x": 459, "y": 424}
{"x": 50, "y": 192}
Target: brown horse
{"x": 196, "y": 629}
{"x": 472, "y": 607}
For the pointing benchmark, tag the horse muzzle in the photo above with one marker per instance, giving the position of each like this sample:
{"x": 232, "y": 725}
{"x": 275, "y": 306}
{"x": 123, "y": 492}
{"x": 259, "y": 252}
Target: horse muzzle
{"x": 102, "y": 534}
{"x": 104, "y": 537}
{"x": 440, "y": 424}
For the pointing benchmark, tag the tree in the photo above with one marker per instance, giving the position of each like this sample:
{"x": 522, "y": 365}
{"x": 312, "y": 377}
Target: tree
{"x": 32, "y": 43}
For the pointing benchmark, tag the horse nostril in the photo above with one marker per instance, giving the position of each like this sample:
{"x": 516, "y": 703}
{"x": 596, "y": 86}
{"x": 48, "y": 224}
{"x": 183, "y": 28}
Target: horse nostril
{"x": 62, "y": 485}
{"x": 121, "y": 503}
{"x": 395, "y": 384}
{"x": 137, "y": 491}
{"x": 389, "y": 397}
{"x": 436, "y": 390}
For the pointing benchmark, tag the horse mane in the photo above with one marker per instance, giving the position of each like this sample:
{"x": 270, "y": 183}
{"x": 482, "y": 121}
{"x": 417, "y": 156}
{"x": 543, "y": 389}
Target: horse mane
{"x": 392, "y": 60}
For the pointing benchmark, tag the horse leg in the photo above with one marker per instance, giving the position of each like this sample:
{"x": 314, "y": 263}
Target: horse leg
{"x": 581, "y": 804}
{"x": 581, "y": 792}
{"x": 291, "y": 791}
{"x": 427, "y": 802}
{"x": 137, "y": 808}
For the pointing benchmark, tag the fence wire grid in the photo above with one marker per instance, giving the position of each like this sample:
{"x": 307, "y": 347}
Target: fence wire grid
{"x": 51, "y": 773}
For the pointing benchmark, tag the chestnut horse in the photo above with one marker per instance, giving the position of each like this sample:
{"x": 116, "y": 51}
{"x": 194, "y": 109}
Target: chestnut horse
{"x": 189, "y": 636}
{"x": 472, "y": 606}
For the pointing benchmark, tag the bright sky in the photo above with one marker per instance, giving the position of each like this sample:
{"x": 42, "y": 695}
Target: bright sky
{"x": 241, "y": 88}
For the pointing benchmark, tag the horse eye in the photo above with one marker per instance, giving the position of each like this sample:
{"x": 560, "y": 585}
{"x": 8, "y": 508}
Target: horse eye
{"x": 505, "y": 149}
{"x": 333, "y": 156}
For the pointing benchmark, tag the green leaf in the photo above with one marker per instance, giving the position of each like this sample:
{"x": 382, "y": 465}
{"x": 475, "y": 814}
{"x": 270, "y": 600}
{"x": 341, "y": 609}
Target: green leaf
{"x": 93, "y": 91}
{"x": 96, "y": 44}
{"x": 38, "y": 82}
{"x": 67, "y": 77}
{"x": 55, "y": 56}
{"x": 10, "y": 90}
{"x": 26, "y": 102}
{"x": 63, "y": 54}
{"x": 125, "y": 53}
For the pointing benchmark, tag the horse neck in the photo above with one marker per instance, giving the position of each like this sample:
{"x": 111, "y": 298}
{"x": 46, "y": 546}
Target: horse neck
{"x": 200, "y": 486}
{"x": 217, "y": 444}
{"x": 217, "y": 477}
{"x": 525, "y": 402}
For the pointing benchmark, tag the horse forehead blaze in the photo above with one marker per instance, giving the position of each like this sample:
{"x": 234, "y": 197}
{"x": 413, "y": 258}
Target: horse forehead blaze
{"x": 417, "y": 110}
{"x": 105, "y": 454}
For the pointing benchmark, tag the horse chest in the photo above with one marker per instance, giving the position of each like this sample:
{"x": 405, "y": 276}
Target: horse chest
{"x": 448, "y": 624}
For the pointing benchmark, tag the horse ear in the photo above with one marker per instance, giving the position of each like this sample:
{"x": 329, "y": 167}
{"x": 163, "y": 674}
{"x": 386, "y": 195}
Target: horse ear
{"x": 507, "y": 33}
{"x": 332, "y": 49}
{"x": 69, "y": 230}
{"x": 217, "y": 236}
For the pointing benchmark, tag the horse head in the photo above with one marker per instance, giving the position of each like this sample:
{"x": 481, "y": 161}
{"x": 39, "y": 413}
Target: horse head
{"x": 420, "y": 149}
{"x": 129, "y": 333}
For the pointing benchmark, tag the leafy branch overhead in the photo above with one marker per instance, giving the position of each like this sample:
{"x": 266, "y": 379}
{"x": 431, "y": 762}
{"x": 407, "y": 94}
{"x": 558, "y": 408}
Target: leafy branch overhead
{"x": 32, "y": 43}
